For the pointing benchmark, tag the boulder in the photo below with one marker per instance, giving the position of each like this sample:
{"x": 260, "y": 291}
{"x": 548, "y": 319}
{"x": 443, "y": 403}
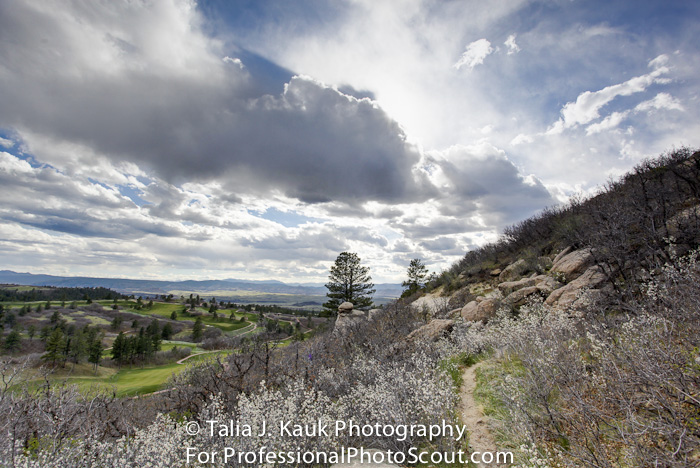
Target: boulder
{"x": 432, "y": 331}
{"x": 469, "y": 311}
{"x": 495, "y": 272}
{"x": 561, "y": 254}
{"x": 346, "y": 321}
{"x": 373, "y": 314}
{"x": 566, "y": 295}
{"x": 545, "y": 283}
{"x": 513, "y": 271}
{"x": 510, "y": 286}
{"x": 519, "y": 297}
{"x": 573, "y": 264}
{"x": 433, "y": 302}
{"x": 345, "y": 308}
{"x": 548, "y": 284}
{"x": 480, "y": 311}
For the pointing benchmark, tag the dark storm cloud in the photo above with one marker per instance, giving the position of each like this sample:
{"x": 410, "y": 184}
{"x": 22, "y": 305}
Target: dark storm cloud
{"x": 89, "y": 76}
{"x": 491, "y": 184}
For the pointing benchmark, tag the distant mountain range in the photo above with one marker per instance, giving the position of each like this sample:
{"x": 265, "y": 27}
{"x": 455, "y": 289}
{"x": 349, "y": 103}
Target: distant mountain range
{"x": 247, "y": 291}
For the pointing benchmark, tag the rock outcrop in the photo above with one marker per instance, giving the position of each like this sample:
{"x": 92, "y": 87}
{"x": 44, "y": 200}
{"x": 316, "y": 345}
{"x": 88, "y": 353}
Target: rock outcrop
{"x": 566, "y": 296}
{"x": 348, "y": 317}
{"x": 545, "y": 284}
{"x": 573, "y": 264}
{"x": 432, "y": 331}
{"x": 480, "y": 311}
{"x": 512, "y": 271}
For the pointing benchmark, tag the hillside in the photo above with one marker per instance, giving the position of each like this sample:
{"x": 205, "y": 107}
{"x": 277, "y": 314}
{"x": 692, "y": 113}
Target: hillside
{"x": 588, "y": 316}
{"x": 584, "y": 321}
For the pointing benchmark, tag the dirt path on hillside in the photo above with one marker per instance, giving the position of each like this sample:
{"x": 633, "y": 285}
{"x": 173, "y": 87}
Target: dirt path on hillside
{"x": 480, "y": 438}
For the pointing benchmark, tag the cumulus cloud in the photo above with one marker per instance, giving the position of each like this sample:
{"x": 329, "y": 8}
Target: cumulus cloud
{"x": 172, "y": 106}
{"x": 474, "y": 54}
{"x": 513, "y": 48}
{"x": 660, "y": 101}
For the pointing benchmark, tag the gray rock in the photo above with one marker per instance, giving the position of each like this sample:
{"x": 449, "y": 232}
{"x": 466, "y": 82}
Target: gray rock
{"x": 345, "y": 308}
{"x": 512, "y": 271}
{"x": 519, "y": 297}
{"x": 432, "y": 331}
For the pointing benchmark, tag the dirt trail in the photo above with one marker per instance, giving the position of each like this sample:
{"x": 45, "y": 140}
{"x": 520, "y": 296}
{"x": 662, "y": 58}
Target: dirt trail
{"x": 480, "y": 438}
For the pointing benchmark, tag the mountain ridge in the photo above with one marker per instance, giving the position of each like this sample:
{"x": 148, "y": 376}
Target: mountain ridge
{"x": 160, "y": 287}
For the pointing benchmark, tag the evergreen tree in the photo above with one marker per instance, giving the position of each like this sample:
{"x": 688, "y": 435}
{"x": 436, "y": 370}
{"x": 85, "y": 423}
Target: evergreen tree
{"x": 197, "y": 330}
{"x": 13, "y": 341}
{"x": 153, "y": 333}
{"x": 10, "y": 320}
{"x": 116, "y": 323}
{"x": 167, "y": 331}
{"x": 95, "y": 353}
{"x": 349, "y": 281}
{"x": 119, "y": 348}
{"x": 55, "y": 317}
{"x": 417, "y": 272}
{"x": 55, "y": 347}
{"x": 76, "y": 347}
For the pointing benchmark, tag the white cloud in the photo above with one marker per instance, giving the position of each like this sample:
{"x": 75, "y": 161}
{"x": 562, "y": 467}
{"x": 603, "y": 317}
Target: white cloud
{"x": 474, "y": 54}
{"x": 609, "y": 122}
{"x": 234, "y": 61}
{"x": 521, "y": 139}
{"x": 660, "y": 101}
{"x": 513, "y": 48}
{"x": 587, "y": 106}
{"x": 5, "y": 143}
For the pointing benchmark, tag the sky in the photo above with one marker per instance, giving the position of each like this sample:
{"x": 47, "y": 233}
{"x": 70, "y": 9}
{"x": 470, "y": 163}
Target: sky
{"x": 170, "y": 139}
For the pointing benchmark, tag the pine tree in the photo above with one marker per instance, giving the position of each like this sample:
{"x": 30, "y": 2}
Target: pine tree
{"x": 95, "y": 349}
{"x": 349, "y": 282}
{"x": 55, "y": 347}
{"x": 197, "y": 330}
{"x": 13, "y": 341}
{"x": 417, "y": 272}
{"x": 119, "y": 348}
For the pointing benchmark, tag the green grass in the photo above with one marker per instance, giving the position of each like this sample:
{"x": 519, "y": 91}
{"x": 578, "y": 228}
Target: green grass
{"x": 126, "y": 381}
{"x": 136, "y": 381}
{"x": 165, "y": 310}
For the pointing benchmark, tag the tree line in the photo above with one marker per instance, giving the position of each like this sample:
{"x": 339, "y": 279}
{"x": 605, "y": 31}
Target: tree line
{"x": 11, "y": 293}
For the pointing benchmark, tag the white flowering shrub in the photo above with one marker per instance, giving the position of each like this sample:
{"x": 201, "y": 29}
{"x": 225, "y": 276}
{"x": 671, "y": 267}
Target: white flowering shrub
{"x": 411, "y": 390}
{"x": 613, "y": 387}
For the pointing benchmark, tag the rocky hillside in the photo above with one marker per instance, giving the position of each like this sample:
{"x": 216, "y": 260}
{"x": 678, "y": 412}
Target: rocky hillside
{"x": 587, "y": 318}
{"x": 608, "y": 242}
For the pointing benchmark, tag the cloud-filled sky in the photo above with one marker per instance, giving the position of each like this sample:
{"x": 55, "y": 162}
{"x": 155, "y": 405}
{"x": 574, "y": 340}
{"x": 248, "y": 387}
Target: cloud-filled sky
{"x": 258, "y": 139}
